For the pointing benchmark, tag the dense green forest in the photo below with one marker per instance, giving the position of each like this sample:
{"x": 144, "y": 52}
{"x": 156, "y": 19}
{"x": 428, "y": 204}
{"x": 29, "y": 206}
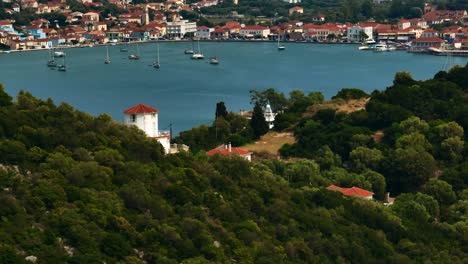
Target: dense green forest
{"x": 81, "y": 189}
{"x": 334, "y": 10}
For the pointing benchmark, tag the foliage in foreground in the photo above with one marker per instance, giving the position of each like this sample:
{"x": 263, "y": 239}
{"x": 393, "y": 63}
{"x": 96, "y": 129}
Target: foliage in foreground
{"x": 83, "y": 189}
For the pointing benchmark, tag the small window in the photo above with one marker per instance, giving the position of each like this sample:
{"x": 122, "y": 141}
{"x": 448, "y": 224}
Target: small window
{"x": 153, "y": 115}
{"x": 133, "y": 118}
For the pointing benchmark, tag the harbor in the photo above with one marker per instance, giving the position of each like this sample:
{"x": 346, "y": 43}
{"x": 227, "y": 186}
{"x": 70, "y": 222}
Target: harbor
{"x": 182, "y": 84}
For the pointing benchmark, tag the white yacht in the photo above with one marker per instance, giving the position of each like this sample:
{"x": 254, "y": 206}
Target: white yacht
{"x": 199, "y": 55}
{"x": 381, "y": 47}
{"x": 59, "y": 54}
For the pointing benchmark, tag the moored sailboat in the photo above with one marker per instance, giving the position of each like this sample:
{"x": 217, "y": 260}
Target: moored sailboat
{"x": 199, "y": 55}
{"x": 189, "y": 51}
{"x": 107, "y": 60}
{"x": 135, "y": 56}
{"x": 156, "y": 63}
{"x": 280, "y": 47}
{"x": 62, "y": 67}
{"x": 51, "y": 63}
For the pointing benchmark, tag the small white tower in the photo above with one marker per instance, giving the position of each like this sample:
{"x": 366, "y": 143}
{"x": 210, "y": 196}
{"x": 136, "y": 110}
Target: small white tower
{"x": 269, "y": 116}
{"x": 146, "y": 119}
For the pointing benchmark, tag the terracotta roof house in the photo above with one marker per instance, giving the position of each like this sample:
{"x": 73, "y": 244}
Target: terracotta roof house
{"x": 140, "y": 109}
{"x": 353, "y": 191}
{"x": 228, "y": 150}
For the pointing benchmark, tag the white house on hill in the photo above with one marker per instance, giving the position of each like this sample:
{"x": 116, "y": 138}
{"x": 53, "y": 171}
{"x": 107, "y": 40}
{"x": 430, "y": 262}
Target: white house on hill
{"x": 269, "y": 116}
{"x": 146, "y": 119}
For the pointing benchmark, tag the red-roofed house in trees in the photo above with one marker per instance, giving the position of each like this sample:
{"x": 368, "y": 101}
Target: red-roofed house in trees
{"x": 353, "y": 191}
{"x": 228, "y": 150}
{"x": 146, "y": 118}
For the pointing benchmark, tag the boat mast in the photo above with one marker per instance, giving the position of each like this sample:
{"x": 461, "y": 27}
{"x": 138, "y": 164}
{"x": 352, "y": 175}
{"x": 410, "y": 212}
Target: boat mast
{"x": 199, "y": 51}
{"x": 157, "y": 47}
{"x": 279, "y": 36}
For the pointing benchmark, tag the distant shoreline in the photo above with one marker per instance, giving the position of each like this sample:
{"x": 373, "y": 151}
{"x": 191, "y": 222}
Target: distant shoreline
{"x": 170, "y": 40}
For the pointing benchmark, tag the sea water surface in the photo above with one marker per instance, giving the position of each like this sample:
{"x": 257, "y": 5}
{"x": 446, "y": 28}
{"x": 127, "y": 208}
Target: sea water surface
{"x": 186, "y": 91}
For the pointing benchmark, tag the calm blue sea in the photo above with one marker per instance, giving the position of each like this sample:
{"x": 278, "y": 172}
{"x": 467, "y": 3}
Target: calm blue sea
{"x": 186, "y": 91}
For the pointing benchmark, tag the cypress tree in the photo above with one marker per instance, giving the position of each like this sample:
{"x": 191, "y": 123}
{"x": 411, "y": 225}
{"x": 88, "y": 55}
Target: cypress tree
{"x": 221, "y": 110}
{"x": 258, "y": 123}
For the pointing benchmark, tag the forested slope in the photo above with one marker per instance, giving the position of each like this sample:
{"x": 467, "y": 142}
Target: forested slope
{"x": 83, "y": 189}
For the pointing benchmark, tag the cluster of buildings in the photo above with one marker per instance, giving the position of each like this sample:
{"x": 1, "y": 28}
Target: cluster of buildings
{"x": 157, "y": 20}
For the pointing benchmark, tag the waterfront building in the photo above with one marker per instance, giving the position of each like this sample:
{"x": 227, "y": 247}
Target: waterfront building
{"x": 203, "y": 32}
{"x": 424, "y": 43}
{"x": 220, "y": 33}
{"x": 359, "y": 33}
{"x": 253, "y": 31}
{"x": 146, "y": 118}
{"x": 320, "y": 32}
{"x": 179, "y": 28}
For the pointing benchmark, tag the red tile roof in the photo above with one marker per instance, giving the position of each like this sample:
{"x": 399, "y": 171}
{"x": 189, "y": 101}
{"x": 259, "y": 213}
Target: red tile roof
{"x": 221, "y": 150}
{"x": 353, "y": 191}
{"x": 140, "y": 109}
{"x": 5, "y": 22}
{"x": 256, "y": 27}
{"x": 428, "y": 40}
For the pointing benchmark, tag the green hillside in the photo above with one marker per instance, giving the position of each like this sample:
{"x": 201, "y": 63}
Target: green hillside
{"x": 81, "y": 189}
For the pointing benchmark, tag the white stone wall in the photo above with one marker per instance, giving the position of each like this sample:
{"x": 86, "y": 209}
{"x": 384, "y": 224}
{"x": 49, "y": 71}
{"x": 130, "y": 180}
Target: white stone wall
{"x": 146, "y": 122}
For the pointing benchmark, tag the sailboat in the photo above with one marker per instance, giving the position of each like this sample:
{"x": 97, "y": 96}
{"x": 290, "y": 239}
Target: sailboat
{"x": 199, "y": 54}
{"x": 62, "y": 67}
{"x": 51, "y": 61}
{"x": 124, "y": 48}
{"x": 107, "y": 60}
{"x": 214, "y": 60}
{"x": 280, "y": 47}
{"x": 59, "y": 54}
{"x": 156, "y": 62}
{"x": 189, "y": 51}
{"x": 135, "y": 56}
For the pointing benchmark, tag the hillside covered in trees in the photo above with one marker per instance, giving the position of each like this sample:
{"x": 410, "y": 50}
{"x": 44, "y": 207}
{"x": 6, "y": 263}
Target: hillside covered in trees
{"x": 81, "y": 189}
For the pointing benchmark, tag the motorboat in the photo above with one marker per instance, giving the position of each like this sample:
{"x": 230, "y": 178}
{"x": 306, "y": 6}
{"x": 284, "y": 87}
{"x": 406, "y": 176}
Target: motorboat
{"x": 59, "y": 54}
{"x": 381, "y": 47}
{"x": 214, "y": 60}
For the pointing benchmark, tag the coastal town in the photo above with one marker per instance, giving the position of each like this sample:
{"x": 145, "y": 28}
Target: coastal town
{"x": 435, "y": 31}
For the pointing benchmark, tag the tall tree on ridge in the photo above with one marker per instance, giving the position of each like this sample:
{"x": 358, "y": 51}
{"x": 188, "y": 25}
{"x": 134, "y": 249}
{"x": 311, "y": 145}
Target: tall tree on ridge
{"x": 258, "y": 123}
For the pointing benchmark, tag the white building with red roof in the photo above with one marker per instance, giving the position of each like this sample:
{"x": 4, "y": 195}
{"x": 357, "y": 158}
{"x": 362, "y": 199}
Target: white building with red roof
{"x": 228, "y": 150}
{"x": 424, "y": 43}
{"x": 146, "y": 118}
{"x": 253, "y": 31}
{"x": 203, "y": 32}
{"x": 353, "y": 192}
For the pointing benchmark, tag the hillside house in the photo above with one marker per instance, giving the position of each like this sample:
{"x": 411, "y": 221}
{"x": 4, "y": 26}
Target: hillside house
{"x": 353, "y": 192}
{"x": 228, "y": 150}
